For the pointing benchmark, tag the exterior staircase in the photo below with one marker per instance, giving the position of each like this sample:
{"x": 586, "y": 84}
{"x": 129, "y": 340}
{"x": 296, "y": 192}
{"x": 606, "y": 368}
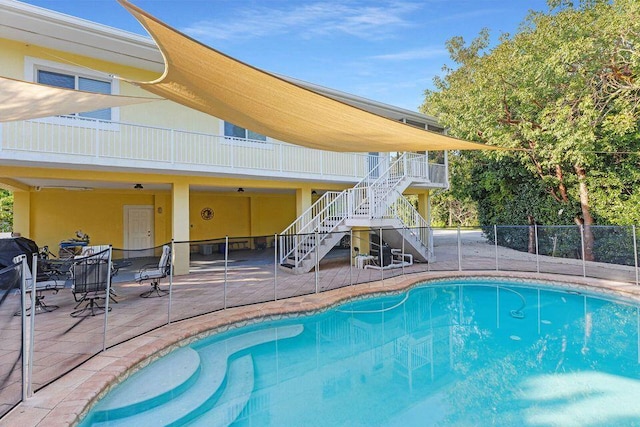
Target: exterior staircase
{"x": 376, "y": 202}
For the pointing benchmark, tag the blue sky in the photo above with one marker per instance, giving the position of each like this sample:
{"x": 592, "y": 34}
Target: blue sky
{"x": 388, "y": 51}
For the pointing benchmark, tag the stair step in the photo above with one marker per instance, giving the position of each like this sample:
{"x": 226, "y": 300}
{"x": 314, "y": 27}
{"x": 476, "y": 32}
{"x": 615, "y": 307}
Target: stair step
{"x": 236, "y": 394}
{"x": 152, "y": 386}
{"x": 206, "y": 391}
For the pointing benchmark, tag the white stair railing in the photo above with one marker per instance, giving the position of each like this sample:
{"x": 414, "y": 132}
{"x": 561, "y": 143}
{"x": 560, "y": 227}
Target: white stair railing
{"x": 298, "y": 240}
{"x": 372, "y": 197}
{"x": 411, "y": 220}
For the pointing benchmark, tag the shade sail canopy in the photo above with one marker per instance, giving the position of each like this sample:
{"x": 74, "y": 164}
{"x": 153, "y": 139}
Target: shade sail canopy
{"x": 20, "y": 100}
{"x": 206, "y": 80}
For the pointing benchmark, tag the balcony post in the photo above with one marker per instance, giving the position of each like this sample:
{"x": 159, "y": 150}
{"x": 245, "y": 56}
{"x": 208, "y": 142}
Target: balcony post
{"x": 172, "y": 146}
{"x": 97, "y": 142}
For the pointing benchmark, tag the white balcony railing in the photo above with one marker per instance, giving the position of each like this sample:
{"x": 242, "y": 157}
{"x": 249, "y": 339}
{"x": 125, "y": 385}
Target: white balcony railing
{"x": 81, "y": 140}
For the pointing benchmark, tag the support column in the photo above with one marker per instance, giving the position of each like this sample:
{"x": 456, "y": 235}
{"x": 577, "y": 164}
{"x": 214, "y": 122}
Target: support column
{"x": 424, "y": 206}
{"x": 303, "y": 199}
{"x": 253, "y": 219}
{"x": 22, "y": 213}
{"x": 180, "y": 227}
{"x": 161, "y": 205}
{"x": 361, "y": 241}
{"x": 424, "y": 209}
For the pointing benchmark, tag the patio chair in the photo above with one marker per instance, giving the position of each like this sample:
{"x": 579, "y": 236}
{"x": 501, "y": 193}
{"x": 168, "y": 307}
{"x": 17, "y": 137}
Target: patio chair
{"x": 44, "y": 283}
{"x": 102, "y": 249}
{"x": 90, "y": 276}
{"x": 155, "y": 272}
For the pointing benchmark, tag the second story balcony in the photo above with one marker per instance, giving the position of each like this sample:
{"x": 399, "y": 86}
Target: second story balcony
{"x": 71, "y": 142}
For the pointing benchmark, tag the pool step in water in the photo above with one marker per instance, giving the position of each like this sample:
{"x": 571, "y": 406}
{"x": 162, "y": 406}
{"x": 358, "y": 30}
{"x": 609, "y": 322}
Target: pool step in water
{"x": 239, "y": 385}
{"x": 161, "y": 380}
{"x": 204, "y": 391}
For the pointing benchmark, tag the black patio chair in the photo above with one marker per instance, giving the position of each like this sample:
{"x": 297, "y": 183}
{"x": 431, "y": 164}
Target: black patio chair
{"x": 90, "y": 278}
{"x": 44, "y": 283}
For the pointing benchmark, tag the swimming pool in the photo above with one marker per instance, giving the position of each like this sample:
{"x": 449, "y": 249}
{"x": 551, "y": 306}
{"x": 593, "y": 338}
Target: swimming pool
{"x": 462, "y": 352}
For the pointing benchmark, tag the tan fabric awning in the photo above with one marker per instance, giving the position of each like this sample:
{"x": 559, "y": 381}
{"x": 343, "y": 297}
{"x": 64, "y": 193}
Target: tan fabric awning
{"x": 20, "y": 100}
{"x": 209, "y": 81}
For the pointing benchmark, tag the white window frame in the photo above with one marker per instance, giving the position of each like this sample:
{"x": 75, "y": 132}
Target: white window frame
{"x": 244, "y": 142}
{"x": 33, "y": 65}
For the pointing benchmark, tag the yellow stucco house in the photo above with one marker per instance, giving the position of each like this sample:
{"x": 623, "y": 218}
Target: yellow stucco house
{"x": 141, "y": 175}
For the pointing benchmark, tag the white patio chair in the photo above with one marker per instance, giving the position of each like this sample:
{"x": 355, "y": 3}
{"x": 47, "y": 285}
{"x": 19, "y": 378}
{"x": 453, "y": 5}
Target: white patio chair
{"x": 154, "y": 273}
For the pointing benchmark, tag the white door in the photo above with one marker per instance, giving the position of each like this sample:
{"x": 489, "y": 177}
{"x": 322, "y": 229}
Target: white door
{"x": 373, "y": 164}
{"x": 138, "y": 229}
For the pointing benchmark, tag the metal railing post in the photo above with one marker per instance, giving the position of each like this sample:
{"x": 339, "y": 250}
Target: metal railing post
{"x": 584, "y": 262}
{"x": 635, "y": 253}
{"x": 402, "y": 256}
{"x": 459, "y": 251}
{"x": 351, "y": 259}
{"x": 430, "y": 250}
{"x": 106, "y": 300}
{"x": 275, "y": 267}
{"x": 32, "y": 325}
{"x": 495, "y": 243}
{"x": 226, "y": 265}
{"x": 317, "y": 245}
{"x": 381, "y": 258}
{"x": 535, "y": 230}
{"x": 173, "y": 257}
{"x": 26, "y": 375}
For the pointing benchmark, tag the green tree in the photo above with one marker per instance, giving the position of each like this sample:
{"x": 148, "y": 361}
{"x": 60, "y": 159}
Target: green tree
{"x": 456, "y": 206}
{"x": 450, "y": 211}
{"x": 565, "y": 88}
{"x": 6, "y": 211}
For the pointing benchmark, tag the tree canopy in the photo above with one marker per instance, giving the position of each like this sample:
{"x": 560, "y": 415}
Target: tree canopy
{"x": 565, "y": 89}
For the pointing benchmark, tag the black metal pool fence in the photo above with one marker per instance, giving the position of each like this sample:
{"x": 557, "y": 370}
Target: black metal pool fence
{"x": 36, "y": 350}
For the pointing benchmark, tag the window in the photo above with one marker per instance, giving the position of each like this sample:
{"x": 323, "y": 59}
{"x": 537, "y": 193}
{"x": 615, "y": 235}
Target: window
{"x": 77, "y": 82}
{"x": 437, "y": 129}
{"x": 233, "y": 131}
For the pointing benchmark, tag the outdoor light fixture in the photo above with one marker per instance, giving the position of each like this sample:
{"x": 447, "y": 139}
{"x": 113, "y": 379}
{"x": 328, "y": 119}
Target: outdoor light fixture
{"x": 138, "y": 187}
{"x": 314, "y": 192}
{"x": 240, "y": 190}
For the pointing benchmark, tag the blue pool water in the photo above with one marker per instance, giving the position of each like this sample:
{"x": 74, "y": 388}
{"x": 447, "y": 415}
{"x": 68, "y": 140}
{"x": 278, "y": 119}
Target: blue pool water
{"x": 459, "y": 353}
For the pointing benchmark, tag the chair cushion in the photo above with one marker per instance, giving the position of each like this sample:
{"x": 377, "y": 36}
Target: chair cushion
{"x": 50, "y": 285}
{"x": 156, "y": 273}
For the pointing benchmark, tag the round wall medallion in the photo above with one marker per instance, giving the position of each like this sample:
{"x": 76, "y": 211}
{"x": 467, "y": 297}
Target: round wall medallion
{"x": 206, "y": 213}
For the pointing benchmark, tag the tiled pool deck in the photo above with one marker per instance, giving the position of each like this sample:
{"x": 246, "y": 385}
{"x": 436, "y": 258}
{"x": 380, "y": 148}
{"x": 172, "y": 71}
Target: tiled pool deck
{"x": 64, "y": 401}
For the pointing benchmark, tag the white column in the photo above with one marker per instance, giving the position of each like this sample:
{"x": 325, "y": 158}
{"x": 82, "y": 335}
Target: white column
{"x": 180, "y": 227}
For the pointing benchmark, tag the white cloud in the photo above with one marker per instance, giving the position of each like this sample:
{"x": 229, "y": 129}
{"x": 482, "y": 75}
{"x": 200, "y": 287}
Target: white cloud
{"x": 407, "y": 55}
{"x": 362, "y": 20}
